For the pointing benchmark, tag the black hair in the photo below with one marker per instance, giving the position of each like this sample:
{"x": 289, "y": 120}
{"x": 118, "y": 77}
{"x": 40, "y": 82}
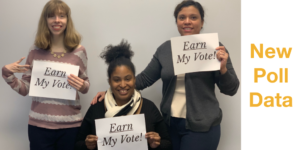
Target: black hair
{"x": 187, "y": 3}
{"x": 117, "y": 56}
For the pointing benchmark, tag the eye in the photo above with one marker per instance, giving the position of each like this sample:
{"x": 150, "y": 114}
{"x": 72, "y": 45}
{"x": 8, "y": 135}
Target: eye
{"x": 194, "y": 17}
{"x": 128, "y": 79}
{"x": 181, "y": 17}
{"x": 50, "y": 16}
{"x": 116, "y": 80}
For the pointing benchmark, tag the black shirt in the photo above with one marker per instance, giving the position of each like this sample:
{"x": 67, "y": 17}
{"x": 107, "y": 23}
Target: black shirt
{"x": 154, "y": 122}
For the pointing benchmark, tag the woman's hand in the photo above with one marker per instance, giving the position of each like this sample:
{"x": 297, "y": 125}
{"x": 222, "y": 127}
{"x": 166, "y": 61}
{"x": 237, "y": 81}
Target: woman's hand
{"x": 153, "y": 139}
{"x": 91, "y": 141}
{"x": 16, "y": 68}
{"x": 222, "y": 56}
{"x": 99, "y": 97}
{"x": 76, "y": 82}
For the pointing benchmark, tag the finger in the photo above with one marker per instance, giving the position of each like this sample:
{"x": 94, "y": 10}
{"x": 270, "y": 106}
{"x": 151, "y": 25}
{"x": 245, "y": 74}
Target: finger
{"x": 20, "y": 60}
{"x": 92, "y": 136}
{"x": 102, "y": 94}
{"x": 220, "y": 56}
{"x": 76, "y": 78}
{"x": 223, "y": 56}
{"x": 23, "y": 70}
{"x": 156, "y": 138}
{"x": 23, "y": 66}
{"x": 75, "y": 84}
{"x": 220, "y": 48}
{"x": 78, "y": 83}
{"x": 152, "y": 137}
{"x": 221, "y": 52}
{"x": 157, "y": 143}
{"x": 151, "y": 134}
{"x": 91, "y": 140}
{"x": 94, "y": 101}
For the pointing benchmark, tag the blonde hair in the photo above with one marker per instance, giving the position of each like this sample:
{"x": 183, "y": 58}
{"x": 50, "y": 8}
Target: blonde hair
{"x": 43, "y": 35}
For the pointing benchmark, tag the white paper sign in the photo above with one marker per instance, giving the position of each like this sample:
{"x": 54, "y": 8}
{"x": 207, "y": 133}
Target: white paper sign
{"x": 195, "y": 53}
{"x": 121, "y": 133}
{"x": 49, "y": 79}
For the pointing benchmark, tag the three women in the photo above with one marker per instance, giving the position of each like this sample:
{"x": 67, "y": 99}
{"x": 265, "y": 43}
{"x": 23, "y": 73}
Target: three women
{"x": 196, "y": 110}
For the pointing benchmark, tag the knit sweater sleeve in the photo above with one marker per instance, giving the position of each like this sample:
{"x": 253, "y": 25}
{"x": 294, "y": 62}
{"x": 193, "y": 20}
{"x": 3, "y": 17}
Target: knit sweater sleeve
{"x": 228, "y": 83}
{"x": 19, "y": 85}
{"x": 150, "y": 74}
{"x": 83, "y": 69}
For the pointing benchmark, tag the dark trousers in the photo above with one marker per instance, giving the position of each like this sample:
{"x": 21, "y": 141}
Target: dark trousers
{"x": 51, "y": 139}
{"x": 184, "y": 139}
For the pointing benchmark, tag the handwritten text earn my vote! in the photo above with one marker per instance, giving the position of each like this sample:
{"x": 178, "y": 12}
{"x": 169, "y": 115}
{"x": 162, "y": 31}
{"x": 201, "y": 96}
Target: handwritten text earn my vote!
{"x": 114, "y": 128}
{"x": 56, "y": 83}
{"x": 198, "y": 56}
{"x": 272, "y": 77}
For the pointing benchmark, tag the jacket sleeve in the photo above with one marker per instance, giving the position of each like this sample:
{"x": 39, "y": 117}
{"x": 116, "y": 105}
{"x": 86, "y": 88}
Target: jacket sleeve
{"x": 151, "y": 73}
{"x": 228, "y": 83}
{"x": 161, "y": 129}
{"x": 85, "y": 129}
{"x": 21, "y": 86}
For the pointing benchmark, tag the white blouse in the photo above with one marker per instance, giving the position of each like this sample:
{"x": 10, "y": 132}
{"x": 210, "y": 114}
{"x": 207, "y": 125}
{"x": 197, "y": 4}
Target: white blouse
{"x": 178, "y": 107}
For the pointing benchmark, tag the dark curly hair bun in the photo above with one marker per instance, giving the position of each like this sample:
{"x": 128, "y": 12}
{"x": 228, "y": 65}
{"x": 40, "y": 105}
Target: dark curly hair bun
{"x": 111, "y": 53}
{"x": 118, "y": 55}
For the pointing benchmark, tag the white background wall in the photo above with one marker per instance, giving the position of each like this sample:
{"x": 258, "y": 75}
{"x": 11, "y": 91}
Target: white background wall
{"x": 144, "y": 23}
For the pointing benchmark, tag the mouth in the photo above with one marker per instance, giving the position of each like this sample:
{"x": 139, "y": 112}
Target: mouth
{"x": 187, "y": 29}
{"x": 123, "y": 92}
{"x": 56, "y": 27}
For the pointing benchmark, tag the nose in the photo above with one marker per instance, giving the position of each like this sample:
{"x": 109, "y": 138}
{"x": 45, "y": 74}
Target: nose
{"x": 123, "y": 84}
{"x": 56, "y": 18}
{"x": 187, "y": 20}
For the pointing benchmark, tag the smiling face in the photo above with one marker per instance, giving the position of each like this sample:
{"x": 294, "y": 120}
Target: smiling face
{"x": 189, "y": 21}
{"x": 57, "y": 23}
{"x": 122, "y": 83}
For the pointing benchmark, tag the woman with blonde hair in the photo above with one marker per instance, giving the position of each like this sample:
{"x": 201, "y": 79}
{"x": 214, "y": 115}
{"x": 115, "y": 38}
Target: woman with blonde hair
{"x": 53, "y": 123}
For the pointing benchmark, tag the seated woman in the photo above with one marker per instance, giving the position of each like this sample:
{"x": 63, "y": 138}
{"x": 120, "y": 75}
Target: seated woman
{"x": 123, "y": 99}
